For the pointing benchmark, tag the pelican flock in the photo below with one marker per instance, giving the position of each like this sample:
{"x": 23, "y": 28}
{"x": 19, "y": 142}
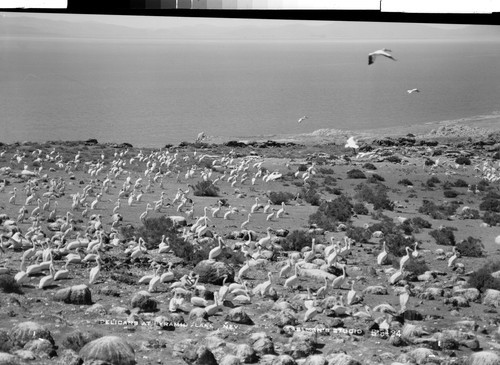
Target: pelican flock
{"x": 124, "y": 218}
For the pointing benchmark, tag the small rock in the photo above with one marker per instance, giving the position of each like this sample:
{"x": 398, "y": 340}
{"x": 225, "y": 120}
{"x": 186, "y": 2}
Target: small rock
{"x": 144, "y": 301}
{"x": 96, "y": 309}
{"x": 238, "y": 315}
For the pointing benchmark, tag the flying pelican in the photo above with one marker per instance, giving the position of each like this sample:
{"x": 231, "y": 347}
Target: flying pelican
{"x": 413, "y": 91}
{"x": 380, "y": 52}
{"x": 303, "y": 118}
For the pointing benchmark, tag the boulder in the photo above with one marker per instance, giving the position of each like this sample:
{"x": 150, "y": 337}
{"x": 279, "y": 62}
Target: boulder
{"x": 24, "y": 332}
{"x": 112, "y": 349}
{"x": 77, "y": 294}
{"x": 144, "y": 301}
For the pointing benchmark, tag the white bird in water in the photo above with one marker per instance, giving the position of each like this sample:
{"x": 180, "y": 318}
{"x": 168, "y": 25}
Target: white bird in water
{"x": 380, "y": 52}
{"x": 303, "y": 118}
{"x": 413, "y": 91}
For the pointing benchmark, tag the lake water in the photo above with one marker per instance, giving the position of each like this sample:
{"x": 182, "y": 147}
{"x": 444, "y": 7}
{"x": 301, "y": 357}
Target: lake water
{"x": 154, "y": 92}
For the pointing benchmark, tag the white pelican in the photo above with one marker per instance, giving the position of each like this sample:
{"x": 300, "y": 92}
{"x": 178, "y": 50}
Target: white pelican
{"x": 281, "y": 211}
{"x": 302, "y": 119}
{"x": 322, "y": 290}
{"x": 311, "y": 312}
{"x": 403, "y": 298}
{"x": 169, "y": 275}
{"x": 405, "y": 258}
{"x": 224, "y": 289}
{"x": 62, "y": 274}
{"x": 47, "y": 280}
{"x": 155, "y": 280}
{"x": 22, "y": 277}
{"x": 452, "y": 259}
{"x": 380, "y": 52}
{"x": 285, "y": 270}
{"x": 94, "y": 272}
{"x": 352, "y": 296}
{"x": 255, "y": 206}
{"x": 214, "y": 308}
{"x": 413, "y": 91}
{"x": 216, "y": 251}
{"x": 338, "y": 281}
{"x": 244, "y": 269}
{"x": 351, "y": 143}
{"x": 245, "y": 223}
{"x": 292, "y": 280}
{"x": 382, "y": 257}
{"x": 265, "y": 241}
{"x": 415, "y": 252}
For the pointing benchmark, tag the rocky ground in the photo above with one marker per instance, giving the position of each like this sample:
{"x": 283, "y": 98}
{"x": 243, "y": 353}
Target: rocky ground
{"x": 445, "y": 321}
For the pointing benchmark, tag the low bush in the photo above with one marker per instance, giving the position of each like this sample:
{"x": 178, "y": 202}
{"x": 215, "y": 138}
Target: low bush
{"x": 297, "y": 240}
{"x": 405, "y": 182}
{"x": 459, "y": 183}
{"x": 358, "y": 234}
{"x": 329, "y": 180}
{"x": 311, "y": 196}
{"x": 438, "y": 211}
{"x": 8, "y": 284}
{"x": 329, "y": 213}
{"x": 429, "y": 162}
{"x": 152, "y": 231}
{"x": 302, "y": 167}
{"x": 450, "y": 193}
{"x": 416, "y": 266}
{"x": 490, "y": 205}
{"x": 356, "y": 174}
{"x": 393, "y": 159}
{"x": 369, "y": 166}
{"x": 491, "y": 218}
{"x": 481, "y": 279}
{"x": 360, "y": 208}
{"x": 470, "y": 247}
{"x": 376, "y": 196}
{"x": 432, "y": 182}
{"x": 463, "y": 160}
{"x": 420, "y": 222}
{"x": 470, "y": 214}
{"x": 205, "y": 188}
{"x": 278, "y": 197}
{"x": 444, "y": 236}
{"x": 375, "y": 178}
{"x": 396, "y": 244}
{"x": 326, "y": 171}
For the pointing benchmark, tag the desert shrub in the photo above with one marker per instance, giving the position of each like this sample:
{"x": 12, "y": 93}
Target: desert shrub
{"x": 278, "y": 197}
{"x": 325, "y": 171}
{"x": 496, "y": 156}
{"x": 432, "y": 182}
{"x": 297, "y": 240}
{"x": 396, "y": 244}
{"x": 471, "y": 247}
{"x": 205, "y": 188}
{"x": 8, "y": 284}
{"x": 356, "y": 174}
{"x": 447, "y": 185}
{"x": 491, "y": 218}
{"x": 483, "y": 185}
{"x": 444, "y": 236}
{"x": 481, "y": 279}
{"x": 490, "y": 205}
{"x": 416, "y": 266}
{"x": 330, "y": 213}
{"x": 152, "y": 231}
{"x": 437, "y": 211}
{"x": 405, "y": 182}
{"x": 429, "y": 162}
{"x": 375, "y": 178}
{"x": 450, "y": 193}
{"x": 329, "y": 180}
{"x": 369, "y": 166}
{"x": 420, "y": 222}
{"x": 470, "y": 214}
{"x": 302, "y": 167}
{"x": 459, "y": 183}
{"x": 376, "y": 196}
{"x": 463, "y": 160}
{"x": 393, "y": 159}
{"x": 358, "y": 234}
{"x": 311, "y": 196}
{"x": 359, "y": 208}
